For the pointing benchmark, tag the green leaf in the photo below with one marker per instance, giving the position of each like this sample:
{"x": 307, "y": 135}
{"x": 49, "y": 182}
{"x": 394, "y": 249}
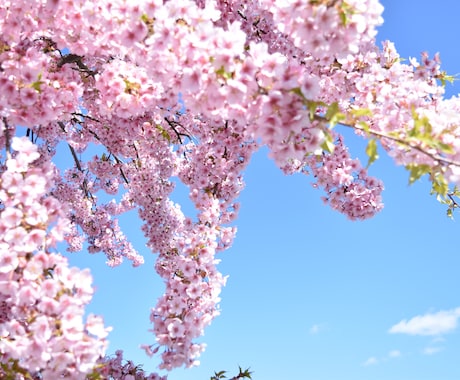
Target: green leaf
{"x": 146, "y": 19}
{"x": 312, "y": 107}
{"x": 336, "y": 119}
{"x": 364, "y": 126}
{"x": 422, "y": 127}
{"x": 333, "y": 114}
{"x": 416, "y": 171}
{"x": 345, "y": 12}
{"x": 224, "y": 74}
{"x": 444, "y": 77}
{"x": 164, "y": 133}
{"x": 328, "y": 144}
{"x": 298, "y": 91}
{"x": 440, "y": 186}
{"x": 131, "y": 87}
{"x": 332, "y": 110}
{"x": 359, "y": 112}
{"x": 219, "y": 375}
{"x": 37, "y": 84}
{"x": 444, "y": 148}
{"x": 244, "y": 374}
{"x": 371, "y": 151}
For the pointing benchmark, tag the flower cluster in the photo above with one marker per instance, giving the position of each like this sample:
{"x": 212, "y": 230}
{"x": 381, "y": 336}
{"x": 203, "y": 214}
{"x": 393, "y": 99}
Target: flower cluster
{"x": 349, "y": 189}
{"x": 125, "y": 90}
{"x": 327, "y": 30}
{"x": 42, "y": 329}
{"x": 168, "y": 91}
{"x": 187, "y": 259}
{"x": 109, "y": 368}
{"x": 29, "y": 80}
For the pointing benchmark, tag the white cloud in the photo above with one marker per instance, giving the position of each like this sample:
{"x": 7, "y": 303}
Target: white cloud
{"x": 374, "y": 360}
{"x": 432, "y": 350}
{"x": 442, "y": 322}
{"x": 394, "y": 354}
{"x": 438, "y": 339}
{"x": 317, "y": 328}
{"x": 371, "y": 361}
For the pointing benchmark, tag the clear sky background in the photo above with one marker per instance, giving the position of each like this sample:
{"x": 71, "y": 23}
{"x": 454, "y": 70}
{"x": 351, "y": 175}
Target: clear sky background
{"x": 312, "y": 295}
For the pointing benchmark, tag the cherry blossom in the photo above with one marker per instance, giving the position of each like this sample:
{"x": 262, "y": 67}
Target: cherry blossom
{"x": 42, "y": 298}
{"x": 141, "y": 95}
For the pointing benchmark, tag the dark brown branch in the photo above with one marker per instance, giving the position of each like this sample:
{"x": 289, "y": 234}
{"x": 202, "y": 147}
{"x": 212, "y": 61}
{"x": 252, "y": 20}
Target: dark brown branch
{"x": 454, "y": 202}
{"x": 75, "y": 158}
{"x": 78, "y": 60}
{"x": 77, "y": 164}
{"x": 75, "y": 114}
{"x": 242, "y": 15}
{"x": 77, "y": 161}
{"x": 72, "y": 150}
{"x": 173, "y": 124}
{"x": 121, "y": 170}
{"x": 50, "y": 45}
{"x": 7, "y": 138}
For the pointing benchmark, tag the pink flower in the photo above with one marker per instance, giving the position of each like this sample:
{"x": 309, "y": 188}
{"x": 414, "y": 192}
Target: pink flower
{"x": 29, "y": 96}
{"x": 16, "y": 166}
{"x": 34, "y": 240}
{"x": 41, "y": 328}
{"x": 195, "y": 290}
{"x": 12, "y": 181}
{"x": 310, "y": 86}
{"x": 95, "y": 326}
{"x": 33, "y": 270}
{"x": 11, "y": 217}
{"x": 48, "y": 305}
{"x": 16, "y": 237}
{"x": 175, "y": 328}
{"x": 72, "y": 323}
{"x": 37, "y": 183}
{"x": 134, "y": 34}
{"x": 28, "y": 150}
{"x": 8, "y": 259}
{"x": 27, "y": 295}
{"x": 36, "y": 214}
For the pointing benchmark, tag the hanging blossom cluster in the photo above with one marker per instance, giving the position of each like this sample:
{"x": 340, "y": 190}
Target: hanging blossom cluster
{"x": 347, "y": 184}
{"x": 116, "y": 367}
{"x": 140, "y": 95}
{"x": 42, "y": 329}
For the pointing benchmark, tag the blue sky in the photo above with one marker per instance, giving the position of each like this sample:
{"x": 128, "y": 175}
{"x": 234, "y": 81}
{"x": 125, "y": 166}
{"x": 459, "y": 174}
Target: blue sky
{"x": 311, "y": 295}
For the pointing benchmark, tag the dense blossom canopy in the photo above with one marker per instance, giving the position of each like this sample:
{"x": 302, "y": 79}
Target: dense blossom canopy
{"x": 163, "y": 91}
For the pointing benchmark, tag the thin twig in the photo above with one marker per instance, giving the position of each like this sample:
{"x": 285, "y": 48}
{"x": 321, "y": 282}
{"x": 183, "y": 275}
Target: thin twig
{"x": 78, "y": 60}
{"x": 77, "y": 164}
{"x": 77, "y": 161}
{"x": 454, "y": 202}
{"x": 121, "y": 170}
{"x": 7, "y": 138}
{"x": 434, "y": 156}
{"x": 75, "y": 158}
{"x": 173, "y": 125}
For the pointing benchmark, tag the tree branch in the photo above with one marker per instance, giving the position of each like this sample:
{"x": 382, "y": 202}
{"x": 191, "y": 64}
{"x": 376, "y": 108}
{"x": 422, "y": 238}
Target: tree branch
{"x": 454, "y": 202}
{"x": 383, "y": 135}
{"x": 7, "y": 138}
{"x": 78, "y": 60}
{"x": 173, "y": 124}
